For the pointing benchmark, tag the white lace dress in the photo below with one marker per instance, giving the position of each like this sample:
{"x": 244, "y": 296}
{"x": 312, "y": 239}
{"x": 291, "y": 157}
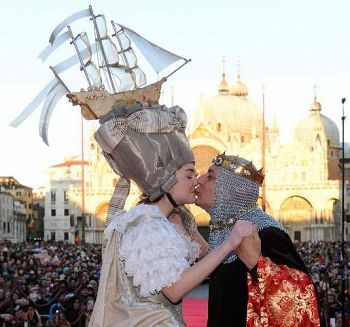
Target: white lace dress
{"x": 151, "y": 254}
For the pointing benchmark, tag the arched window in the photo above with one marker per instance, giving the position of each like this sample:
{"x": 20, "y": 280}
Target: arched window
{"x": 267, "y": 205}
{"x": 101, "y": 215}
{"x": 295, "y": 209}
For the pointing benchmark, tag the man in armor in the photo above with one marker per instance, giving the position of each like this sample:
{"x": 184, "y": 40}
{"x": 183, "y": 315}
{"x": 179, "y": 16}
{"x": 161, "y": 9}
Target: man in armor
{"x": 252, "y": 288}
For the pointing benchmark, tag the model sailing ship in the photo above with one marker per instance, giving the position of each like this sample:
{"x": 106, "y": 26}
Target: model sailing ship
{"x": 110, "y": 67}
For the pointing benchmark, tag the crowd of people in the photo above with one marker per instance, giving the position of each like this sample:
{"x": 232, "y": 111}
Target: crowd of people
{"x": 48, "y": 284}
{"x": 55, "y": 283}
{"x": 324, "y": 261}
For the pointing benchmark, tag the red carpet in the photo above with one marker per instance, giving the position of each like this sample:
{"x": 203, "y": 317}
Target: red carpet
{"x": 195, "y": 311}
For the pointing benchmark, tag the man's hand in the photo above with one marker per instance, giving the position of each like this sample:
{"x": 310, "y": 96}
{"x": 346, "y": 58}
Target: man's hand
{"x": 241, "y": 230}
{"x": 249, "y": 250}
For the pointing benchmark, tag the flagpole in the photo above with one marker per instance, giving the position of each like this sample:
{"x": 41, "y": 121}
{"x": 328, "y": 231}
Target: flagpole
{"x": 343, "y": 217}
{"x": 172, "y": 95}
{"x": 263, "y": 150}
{"x": 82, "y": 184}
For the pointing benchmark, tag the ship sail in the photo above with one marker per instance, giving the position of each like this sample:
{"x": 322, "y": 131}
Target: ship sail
{"x": 158, "y": 57}
{"x": 83, "y": 44}
{"x": 118, "y": 74}
{"x": 74, "y": 60}
{"x": 129, "y": 57}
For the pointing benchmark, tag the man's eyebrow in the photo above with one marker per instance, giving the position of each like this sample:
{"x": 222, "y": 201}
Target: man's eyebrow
{"x": 191, "y": 170}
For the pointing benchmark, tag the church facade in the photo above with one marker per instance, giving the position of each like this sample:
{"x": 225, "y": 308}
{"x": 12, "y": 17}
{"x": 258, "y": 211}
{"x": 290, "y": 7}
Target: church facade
{"x": 302, "y": 187}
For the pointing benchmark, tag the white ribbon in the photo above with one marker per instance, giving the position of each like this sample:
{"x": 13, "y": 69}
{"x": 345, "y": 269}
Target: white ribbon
{"x": 72, "y": 18}
{"x": 56, "y": 93}
{"x": 52, "y": 47}
{"x": 33, "y": 104}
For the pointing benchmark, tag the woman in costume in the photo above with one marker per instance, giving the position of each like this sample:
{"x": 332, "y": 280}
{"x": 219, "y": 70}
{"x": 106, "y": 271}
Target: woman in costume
{"x": 147, "y": 261}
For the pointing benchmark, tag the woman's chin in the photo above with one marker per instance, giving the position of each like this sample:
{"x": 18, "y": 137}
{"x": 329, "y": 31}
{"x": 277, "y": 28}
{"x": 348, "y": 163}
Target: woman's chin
{"x": 191, "y": 199}
{"x": 200, "y": 204}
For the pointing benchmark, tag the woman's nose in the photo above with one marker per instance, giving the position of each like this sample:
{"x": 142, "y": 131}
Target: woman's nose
{"x": 200, "y": 179}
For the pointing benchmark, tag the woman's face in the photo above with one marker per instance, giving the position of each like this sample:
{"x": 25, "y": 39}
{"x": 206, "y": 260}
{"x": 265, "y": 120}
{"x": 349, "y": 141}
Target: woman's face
{"x": 184, "y": 190}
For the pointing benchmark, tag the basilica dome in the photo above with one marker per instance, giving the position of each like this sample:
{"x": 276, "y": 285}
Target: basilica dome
{"x": 307, "y": 129}
{"x": 231, "y": 113}
{"x": 223, "y": 86}
{"x": 239, "y": 88}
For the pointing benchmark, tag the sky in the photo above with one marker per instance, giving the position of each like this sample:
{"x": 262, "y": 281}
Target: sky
{"x": 288, "y": 45}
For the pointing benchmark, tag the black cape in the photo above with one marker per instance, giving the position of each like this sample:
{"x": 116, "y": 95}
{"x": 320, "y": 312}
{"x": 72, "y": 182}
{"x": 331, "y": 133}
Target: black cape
{"x": 228, "y": 289}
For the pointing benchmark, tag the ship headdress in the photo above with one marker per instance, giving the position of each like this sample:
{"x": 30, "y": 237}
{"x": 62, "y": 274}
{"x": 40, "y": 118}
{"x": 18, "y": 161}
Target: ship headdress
{"x": 141, "y": 139}
{"x": 109, "y": 65}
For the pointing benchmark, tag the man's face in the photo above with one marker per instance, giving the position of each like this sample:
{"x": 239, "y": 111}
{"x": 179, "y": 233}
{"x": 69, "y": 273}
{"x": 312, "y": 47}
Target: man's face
{"x": 84, "y": 292}
{"x": 76, "y": 304}
{"x": 205, "y": 190}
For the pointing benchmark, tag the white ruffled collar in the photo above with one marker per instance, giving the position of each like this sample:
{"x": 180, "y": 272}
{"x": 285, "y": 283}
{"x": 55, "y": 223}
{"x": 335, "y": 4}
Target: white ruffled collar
{"x": 121, "y": 220}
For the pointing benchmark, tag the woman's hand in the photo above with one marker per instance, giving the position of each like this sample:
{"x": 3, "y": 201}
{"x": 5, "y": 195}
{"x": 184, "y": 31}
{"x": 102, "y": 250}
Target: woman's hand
{"x": 249, "y": 250}
{"x": 241, "y": 230}
{"x": 194, "y": 275}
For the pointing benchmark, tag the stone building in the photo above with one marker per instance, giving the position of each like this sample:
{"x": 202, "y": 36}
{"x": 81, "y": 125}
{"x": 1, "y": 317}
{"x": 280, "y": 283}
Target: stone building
{"x": 66, "y": 217}
{"x": 302, "y": 188}
{"x": 21, "y": 192}
{"x": 63, "y": 204}
{"x": 6, "y": 215}
{"x": 19, "y": 231}
{"x": 12, "y": 218}
{"x": 36, "y": 227}
{"x": 17, "y": 209}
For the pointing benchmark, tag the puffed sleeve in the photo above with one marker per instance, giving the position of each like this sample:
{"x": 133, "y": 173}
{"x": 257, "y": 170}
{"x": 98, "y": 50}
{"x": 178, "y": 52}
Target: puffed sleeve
{"x": 154, "y": 255}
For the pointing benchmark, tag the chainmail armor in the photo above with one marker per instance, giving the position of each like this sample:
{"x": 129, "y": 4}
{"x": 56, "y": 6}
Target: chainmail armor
{"x": 235, "y": 196}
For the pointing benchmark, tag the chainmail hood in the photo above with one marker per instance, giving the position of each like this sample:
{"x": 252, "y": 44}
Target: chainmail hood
{"x": 236, "y": 197}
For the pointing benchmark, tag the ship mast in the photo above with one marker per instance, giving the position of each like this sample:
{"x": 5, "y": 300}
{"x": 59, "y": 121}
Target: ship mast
{"x": 125, "y": 59}
{"x": 99, "y": 40}
{"x": 82, "y": 65}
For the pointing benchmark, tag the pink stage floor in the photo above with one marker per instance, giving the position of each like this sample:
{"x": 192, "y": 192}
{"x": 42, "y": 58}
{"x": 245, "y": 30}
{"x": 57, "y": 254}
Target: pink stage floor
{"x": 195, "y": 311}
